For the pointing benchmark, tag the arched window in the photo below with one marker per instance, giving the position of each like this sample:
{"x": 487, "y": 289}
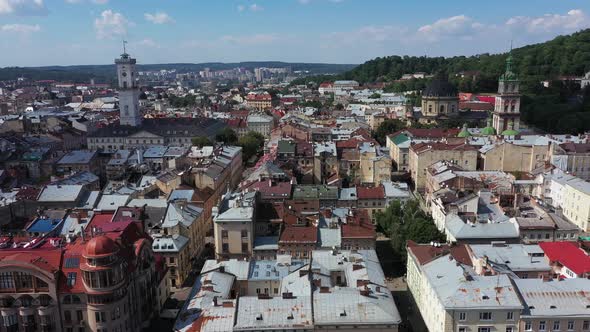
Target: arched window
{"x": 442, "y": 109}
{"x": 429, "y": 108}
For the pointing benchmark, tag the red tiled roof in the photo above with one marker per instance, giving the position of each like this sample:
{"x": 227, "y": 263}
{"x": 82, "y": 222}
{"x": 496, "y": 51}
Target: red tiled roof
{"x": 271, "y": 189}
{"x": 370, "y": 192}
{"x": 299, "y": 234}
{"x": 425, "y": 253}
{"x": 304, "y": 149}
{"x": 46, "y": 260}
{"x": 476, "y": 106}
{"x": 567, "y": 254}
{"x": 487, "y": 99}
{"x": 431, "y": 132}
{"x": 358, "y": 226}
{"x": 326, "y": 85}
{"x": 236, "y": 123}
{"x": 465, "y": 96}
{"x": 259, "y": 96}
{"x": 242, "y": 114}
{"x": 353, "y": 142}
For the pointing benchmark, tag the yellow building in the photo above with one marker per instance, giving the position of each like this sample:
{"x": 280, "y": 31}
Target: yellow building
{"x": 374, "y": 167}
{"x": 422, "y": 155}
{"x": 509, "y": 157}
{"x": 576, "y": 207}
{"x": 439, "y": 101}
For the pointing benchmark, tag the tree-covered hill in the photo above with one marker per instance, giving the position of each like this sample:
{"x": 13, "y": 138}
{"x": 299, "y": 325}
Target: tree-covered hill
{"x": 564, "y": 55}
{"x": 106, "y": 73}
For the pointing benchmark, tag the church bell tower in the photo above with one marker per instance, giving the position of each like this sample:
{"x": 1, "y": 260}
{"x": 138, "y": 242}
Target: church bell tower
{"x": 129, "y": 113}
{"x": 506, "y": 119}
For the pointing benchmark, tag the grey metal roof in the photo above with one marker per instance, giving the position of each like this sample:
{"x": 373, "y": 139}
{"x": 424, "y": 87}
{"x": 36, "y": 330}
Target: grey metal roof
{"x": 457, "y": 288}
{"x": 112, "y": 202}
{"x": 565, "y": 298}
{"x": 462, "y": 230}
{"x": 77, "y": 157}
{"x": 169, "y": 244}
{"x": 274, "y": 313}
{"x": 59, "y": 193}
{"x": 517, "y": 257}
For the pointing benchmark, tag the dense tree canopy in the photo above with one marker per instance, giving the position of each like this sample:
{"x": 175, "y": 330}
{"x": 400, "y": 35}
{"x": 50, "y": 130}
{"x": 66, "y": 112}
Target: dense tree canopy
{"x": 201, "y": 141}
{"x": 407, "y": 221}
{"x": 227, "y": 136}
{"x": 186, "y": 101}
{"x": 251, "y": 144}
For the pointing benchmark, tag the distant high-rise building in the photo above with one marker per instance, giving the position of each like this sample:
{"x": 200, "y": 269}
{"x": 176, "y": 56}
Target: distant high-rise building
{"x": 506, "y": 119}
{"x": 130, "y": 114}
{"x": 259, "y": 74}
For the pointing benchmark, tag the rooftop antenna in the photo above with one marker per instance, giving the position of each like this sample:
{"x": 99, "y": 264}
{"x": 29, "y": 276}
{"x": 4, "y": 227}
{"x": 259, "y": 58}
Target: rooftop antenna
{"x": 125, "y": 47}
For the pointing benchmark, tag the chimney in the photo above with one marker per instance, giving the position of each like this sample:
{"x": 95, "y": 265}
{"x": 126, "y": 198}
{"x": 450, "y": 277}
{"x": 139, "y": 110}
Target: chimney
{"x": 357, "y": 267}
{"x": 215, "y": 301}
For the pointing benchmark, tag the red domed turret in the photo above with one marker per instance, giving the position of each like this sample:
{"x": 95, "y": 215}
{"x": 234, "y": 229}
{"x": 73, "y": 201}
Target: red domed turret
{"x": 100, "y": 246}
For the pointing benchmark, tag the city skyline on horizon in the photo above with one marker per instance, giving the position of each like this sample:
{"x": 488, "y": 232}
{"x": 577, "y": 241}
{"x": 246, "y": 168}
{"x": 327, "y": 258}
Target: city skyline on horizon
{"x": 39, "y": 32}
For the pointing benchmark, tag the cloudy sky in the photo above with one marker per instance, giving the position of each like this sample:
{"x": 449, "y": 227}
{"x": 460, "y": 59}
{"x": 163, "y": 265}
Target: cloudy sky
{"x": 66, "y": 32}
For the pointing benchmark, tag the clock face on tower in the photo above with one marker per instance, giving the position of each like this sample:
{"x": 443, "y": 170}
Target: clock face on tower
{"x": 124, "y": 74}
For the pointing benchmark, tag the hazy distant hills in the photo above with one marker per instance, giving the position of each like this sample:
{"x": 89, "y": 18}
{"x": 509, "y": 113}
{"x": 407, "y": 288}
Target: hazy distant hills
{"x": 105, "y": 73}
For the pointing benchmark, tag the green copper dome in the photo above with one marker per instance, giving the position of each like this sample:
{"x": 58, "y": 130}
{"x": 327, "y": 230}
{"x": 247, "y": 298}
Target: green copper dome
{"x": 510, "y": 132}
{"x": 488, "y": 130}
{"x": 464, "y": 132}
{"x": 509, "y": 75}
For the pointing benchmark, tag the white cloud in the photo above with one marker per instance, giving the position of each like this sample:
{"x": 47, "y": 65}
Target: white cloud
{"x": 20, "y": 28}
{"x": 255, "y": 39}
{"x": 110, "y": 24}
{"x": 305, "y": 2}
{"x": 98, "y": 2}
{"x": 148, "y": 42}
{"x": 22, "y": 7}
{"x": 253, "y": 8}
{"x": 374, "y": 34}
{"x": 574, "y": 20}
{"x": 158, "y": 18}
{"x": 460, "y": 26}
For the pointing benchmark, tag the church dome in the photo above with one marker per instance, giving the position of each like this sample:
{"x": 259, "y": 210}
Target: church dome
{"x": 488, "y": 131}
{"x": 510, "y": 132}
{"x": 100, "y": 246}
{"x": 464, "y": 132}
{"x": 440, "y": 88}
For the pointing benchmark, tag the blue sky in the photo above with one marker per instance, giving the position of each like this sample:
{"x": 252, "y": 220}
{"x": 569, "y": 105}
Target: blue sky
{"x": 64, "y": 32}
